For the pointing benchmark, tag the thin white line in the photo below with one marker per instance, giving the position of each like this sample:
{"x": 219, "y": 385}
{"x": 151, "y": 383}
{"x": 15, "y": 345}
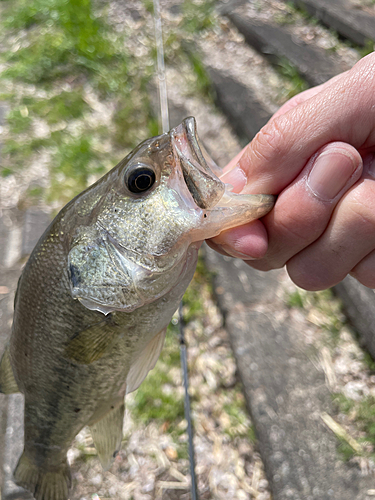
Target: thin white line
{"x": 13, "y": 249}
{"x": 161, "y": 68}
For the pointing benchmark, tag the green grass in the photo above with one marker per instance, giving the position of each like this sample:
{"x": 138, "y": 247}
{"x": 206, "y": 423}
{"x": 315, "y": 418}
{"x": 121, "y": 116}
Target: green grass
{"x": 152, "y": 401}
{"x": 203, "y": 81}
{"x": 64, "y": 106}
{"x": 158, "y": 399}
{"x": 67, "y": 46}
{"x": 68, "y": 39}
{"x": 363, "y": 413}
{"x": 192, "y": 300}
{"x": 343, "y": 403}
{"x": 290, "y": 72}
{"x": 238, "y": 417}
{"x": 366, "y": 417}
{"x": 327, "y": 306}
{"x": 345, "y": 451}
{"x": 295, "y": 299}
{"x": 19, "y": 120}
{"x": 198, "y": 16}
{"x": 6, "y": 172}
{"x": 368, "y": 48}
{"x": 369, "y": 361}
{"x": 149, "y": 6}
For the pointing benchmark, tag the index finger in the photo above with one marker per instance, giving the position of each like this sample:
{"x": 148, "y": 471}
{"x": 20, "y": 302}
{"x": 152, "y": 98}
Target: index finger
{"x": 306, "y": 94}
{"x": 341, "y": 111}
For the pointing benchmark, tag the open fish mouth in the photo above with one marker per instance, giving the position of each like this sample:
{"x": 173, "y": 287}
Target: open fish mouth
{"x": 199, "y": 170}
{"x": 221, "y": 208}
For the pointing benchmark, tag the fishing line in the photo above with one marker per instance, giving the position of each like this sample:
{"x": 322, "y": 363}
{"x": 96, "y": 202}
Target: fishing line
{"x": 183, "y": 347}
{"x": 184, "y": 366}
{"x": 161, "y": 68}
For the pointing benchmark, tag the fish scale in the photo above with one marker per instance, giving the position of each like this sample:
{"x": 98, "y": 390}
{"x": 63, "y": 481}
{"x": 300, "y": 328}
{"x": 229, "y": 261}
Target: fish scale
{"x": 97, "y": 293}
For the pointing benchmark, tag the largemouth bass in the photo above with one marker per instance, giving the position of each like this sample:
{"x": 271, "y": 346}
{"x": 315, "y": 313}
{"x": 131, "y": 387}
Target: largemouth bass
{"x": 98, "y": 291}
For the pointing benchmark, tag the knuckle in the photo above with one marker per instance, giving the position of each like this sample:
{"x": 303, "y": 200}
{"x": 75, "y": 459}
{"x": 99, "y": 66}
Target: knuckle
{"x": 364, "y": 271}
{"x": 363, "y": 213}
{"x": 366, "y": 65}
{"x": 269, "y": 143}
{"x": 296, "y": 231}
{"x": 365, "y": 278}
{"x": 260, "y": 265}
{"x": 306, "y": 274}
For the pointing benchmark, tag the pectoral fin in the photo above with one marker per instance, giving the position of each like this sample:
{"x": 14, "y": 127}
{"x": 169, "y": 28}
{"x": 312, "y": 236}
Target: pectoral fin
{"x": 107, "y": 435}
{"x": 145, "y": 362}
{"x": 89, "y": 345}
{"x": 8, "y": 384}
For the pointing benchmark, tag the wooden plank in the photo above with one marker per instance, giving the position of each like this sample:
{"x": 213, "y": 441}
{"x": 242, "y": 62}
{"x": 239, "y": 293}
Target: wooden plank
{"x": 285, "y": 391}
{"x": 19, "y": 233}
{"x": 359, "y": 305}
{"x": 245, "y": 113}
{"x": 350, "y": 22}
{"x": 314, "y": 64}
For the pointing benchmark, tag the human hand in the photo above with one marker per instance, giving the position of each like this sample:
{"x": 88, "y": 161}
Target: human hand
{"x": 318, "y": 154}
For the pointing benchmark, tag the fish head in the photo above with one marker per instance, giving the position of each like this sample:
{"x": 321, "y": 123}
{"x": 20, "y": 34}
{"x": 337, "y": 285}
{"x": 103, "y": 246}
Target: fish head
{"x": 160, "y": 203}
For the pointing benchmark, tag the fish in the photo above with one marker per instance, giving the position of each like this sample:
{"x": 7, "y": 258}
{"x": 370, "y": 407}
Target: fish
{"x": 97, "y": 293}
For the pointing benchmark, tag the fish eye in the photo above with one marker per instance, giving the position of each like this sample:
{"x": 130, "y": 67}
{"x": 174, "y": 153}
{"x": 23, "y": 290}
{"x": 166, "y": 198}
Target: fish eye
{"x": 140, "y": 179}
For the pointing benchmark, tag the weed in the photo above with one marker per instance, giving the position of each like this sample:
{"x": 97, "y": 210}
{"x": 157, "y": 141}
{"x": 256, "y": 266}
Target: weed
{"x": 74, "y": 161}
{"x": 344, "y": 404}
{"x": 157, "y": 398}
{"x": 368, "y": 48}
{"x": 201, "y": 285}
{"x": 64, "y": 38}
{"x": 363, "y": 412}
{"x": 296, "y": 10}
{"x": 290, "y": 72}
{"x": 326, "y": 309}
{"x": 252, "y": 434}
{"x": 366, "y": 416}
{"x": 369, "y": 361}
{"x": 203, "y": 81}
{"x": 66, "y": 45}
{"x": 287, "y": 16}
{"x": 295, "y": 300}
{"x": 198, "y": 16}
{"x": 6, "y": 172}
{"x": 63, "y": 106}
{"x": 19, "y": 120}
{"x": 149, "y": 6}
{"x": 345, "y": 451}
{"x": 35, "y": 192}
{"x": 238, "y": 418}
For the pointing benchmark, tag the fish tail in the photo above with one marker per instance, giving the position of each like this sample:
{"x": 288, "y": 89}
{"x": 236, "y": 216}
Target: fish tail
{"x": 44, "y": 484}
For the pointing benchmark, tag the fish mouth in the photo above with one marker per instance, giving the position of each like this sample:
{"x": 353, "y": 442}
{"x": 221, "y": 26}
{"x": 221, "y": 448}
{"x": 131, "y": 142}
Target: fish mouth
{"x": 199, "y": 170}
{"x": 221, "y": 208}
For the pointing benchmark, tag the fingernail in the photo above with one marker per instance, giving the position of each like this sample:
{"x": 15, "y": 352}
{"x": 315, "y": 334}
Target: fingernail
{"x": 330, "y": 173}
{"x": 236, "y": 177}
{"x": 235, "y": 254}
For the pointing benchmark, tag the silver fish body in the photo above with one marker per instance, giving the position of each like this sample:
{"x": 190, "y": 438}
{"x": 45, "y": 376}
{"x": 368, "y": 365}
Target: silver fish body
{"x": 98, "y": 291}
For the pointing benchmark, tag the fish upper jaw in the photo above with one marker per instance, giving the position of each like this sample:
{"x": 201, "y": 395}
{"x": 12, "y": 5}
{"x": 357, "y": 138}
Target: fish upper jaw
{"x": 220, "y": 209}
{"x": 204, "y": 186}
